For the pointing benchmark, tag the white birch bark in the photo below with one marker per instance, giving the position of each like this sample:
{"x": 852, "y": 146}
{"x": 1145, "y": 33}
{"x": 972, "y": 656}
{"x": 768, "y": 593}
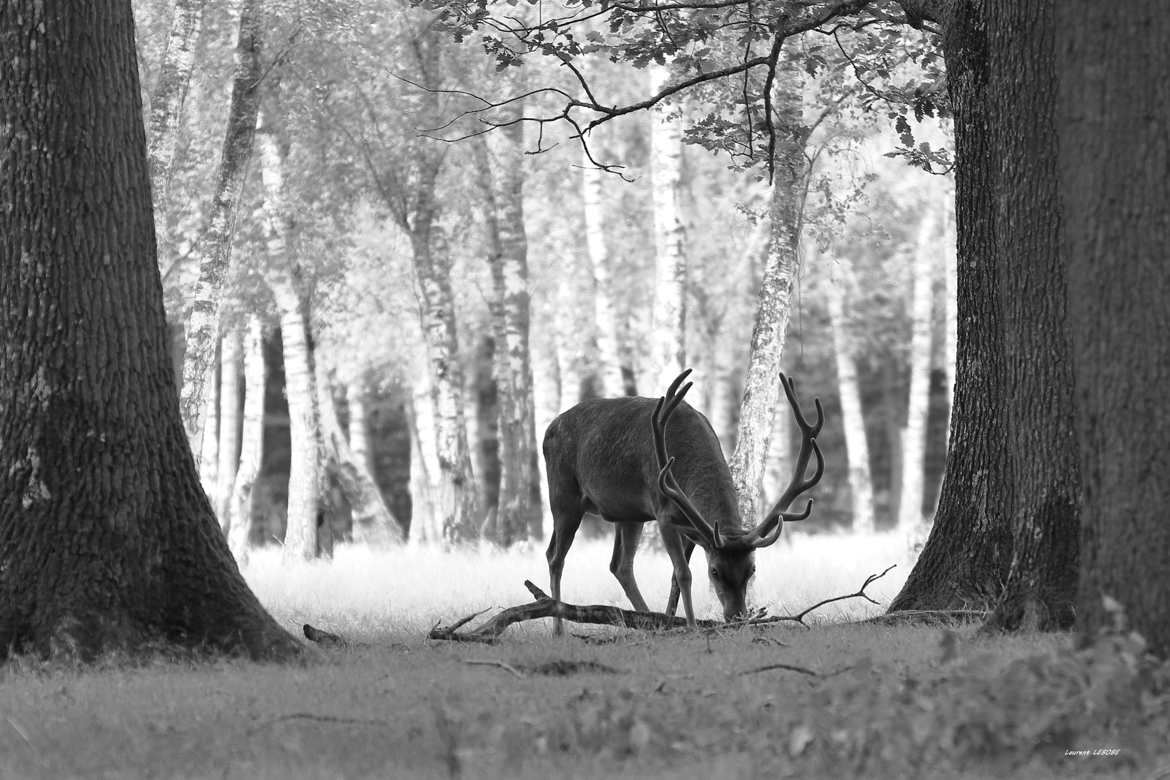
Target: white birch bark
{"x": 918, "y": 403}
{"x": 230, "y": 359}
{"x": 667, "y": 350}
{"x": 167, "y": 99}
{"x": 203, "y": 321}
{"x": 849, "y": 391}
{"x": 357, "y": 430}
{"x": 305, "y": 462}
{"x": 251, "y": 440}
{"x": 373, "y": 523}
{"x": 424, "y": 462}
{"x": 208, "y": 441}
{"x": 568, "y": 342}
{"x": 604, "y": 310}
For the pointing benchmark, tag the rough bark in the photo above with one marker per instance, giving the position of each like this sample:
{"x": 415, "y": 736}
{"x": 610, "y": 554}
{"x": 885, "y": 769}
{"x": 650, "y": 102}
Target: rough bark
{"x": 106, "y": 540}
{"x": 305, "y": 459}
{"x": 216, "y": 243}
{"x": 667, "y": 351}
{"x": 166, "y": 101}
{"x": 1114, "y": 153}
{"x": 372, "y": 521}
{"x": 230, "y": 364}
{"x": 852, "y": 419}
{"x": 761, "y": 384}
{"x": 251, "y": 440}
{"x": 966, "y": 557}
{"x": 207, "y": 456}
{"x": 604, "y": 311}
{"x": 950, "y": 317}
{"x": 1041, "y": 583}
{"x": 487, "y": 425}
{"x": 918, "y": 401}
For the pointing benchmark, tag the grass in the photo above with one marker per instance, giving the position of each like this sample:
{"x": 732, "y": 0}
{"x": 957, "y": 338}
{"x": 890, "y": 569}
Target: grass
{"x": 880, "y": 701}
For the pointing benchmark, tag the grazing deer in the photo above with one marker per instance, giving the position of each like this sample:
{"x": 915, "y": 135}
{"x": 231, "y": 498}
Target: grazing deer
{"x": 615, "y": 457}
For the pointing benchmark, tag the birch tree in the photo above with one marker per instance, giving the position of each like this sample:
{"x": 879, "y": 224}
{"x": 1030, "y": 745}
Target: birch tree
{"x": 230, "y": 365}
{"x": 918, "y": 403}
{"x": 604, "y": 311}
{"x": 216, "y": 245}
{"x": 306, "y": 458}
{"x": 667, "y": 353}
{"x": 852, "y": 419}
{"x": 251, "y": 440}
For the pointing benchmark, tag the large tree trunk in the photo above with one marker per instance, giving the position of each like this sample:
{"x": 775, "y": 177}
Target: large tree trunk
{"x": 208, "y": 452}
{"x": 918, "y": 403}
{"x": 216, "y": 243}
{"x": 166, "y": 101}
{"x": 966, "y": 557}
{"x": 1116, "y": 197}
{"x": 251, "y": 440}
{"x": 667, "y": 350}
{"x": 230, "y": 363}
{"x": 1041, "y": 440}
{"x": 761, "y": 391}
{"x": 604, "y": 311}
{"x": 108, "y": 543}
{"x": 518, "y": 511}
{"x": 304, "y": 425}
{"x": 852, "y": 419}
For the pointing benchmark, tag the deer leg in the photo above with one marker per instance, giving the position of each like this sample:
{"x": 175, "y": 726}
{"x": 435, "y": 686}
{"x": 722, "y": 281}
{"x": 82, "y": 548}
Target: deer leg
{"x": 672, "y": 600}
{"x": 675, "y": 547}
{"x": 566, "y": 520}
{"x": 625, "y": 545}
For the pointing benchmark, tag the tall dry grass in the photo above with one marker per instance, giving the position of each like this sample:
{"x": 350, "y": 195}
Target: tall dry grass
{"x": 406, "y": 590}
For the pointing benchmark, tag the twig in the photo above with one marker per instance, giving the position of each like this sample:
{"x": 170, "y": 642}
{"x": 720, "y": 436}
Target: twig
{"x": 488, "y": 662}
{"x": 860, "y": 593}
{"x": 786, "y": 667}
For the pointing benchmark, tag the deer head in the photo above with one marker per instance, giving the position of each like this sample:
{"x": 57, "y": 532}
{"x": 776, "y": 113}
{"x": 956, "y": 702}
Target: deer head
{"x": 729, "y": 546}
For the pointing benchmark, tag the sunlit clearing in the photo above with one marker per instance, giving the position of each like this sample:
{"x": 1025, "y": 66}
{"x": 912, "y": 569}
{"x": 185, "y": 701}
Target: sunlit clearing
{"x": 407, "y": 590}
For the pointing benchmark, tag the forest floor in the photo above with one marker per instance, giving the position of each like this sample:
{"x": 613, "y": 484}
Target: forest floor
{"x": 834, "y": 700}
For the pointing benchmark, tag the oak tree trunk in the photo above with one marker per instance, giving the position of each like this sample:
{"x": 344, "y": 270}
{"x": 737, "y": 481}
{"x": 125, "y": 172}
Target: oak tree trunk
{"x": 1113, "y": 159}
{"x": 107, "y": 540}
{"x": 216, "y": 243}
{"x": 966, "y": 557}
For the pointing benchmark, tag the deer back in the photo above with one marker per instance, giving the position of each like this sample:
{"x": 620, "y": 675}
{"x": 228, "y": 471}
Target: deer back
{"x": 604, "y": 449}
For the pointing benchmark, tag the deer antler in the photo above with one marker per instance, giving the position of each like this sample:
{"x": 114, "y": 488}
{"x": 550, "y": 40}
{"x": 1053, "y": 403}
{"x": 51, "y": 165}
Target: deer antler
{"x": 765, "y": 534}
{"x": 666, "y": 481}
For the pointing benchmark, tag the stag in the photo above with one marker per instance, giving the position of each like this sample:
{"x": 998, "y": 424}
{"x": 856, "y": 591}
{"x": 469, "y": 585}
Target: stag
{"x": 603, "y": 457}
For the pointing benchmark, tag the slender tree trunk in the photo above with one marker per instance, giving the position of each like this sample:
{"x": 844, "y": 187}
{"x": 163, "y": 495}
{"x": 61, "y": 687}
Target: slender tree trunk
{"x": 203, "y": 321}
{"x": 372, "y": 521}
{"x": 305, "y": 458}
{"x": 251, "y": 440}
{"x": 568, "y": 343}
{"x": 966, "y": 557}
{"x": 668, "y": 320}
{"x": 208, "y": 452}
{"x": 761, "y": 391}
{"x": 518, "y": 513}
{"x": 168, "y": 97}
{"x": 357, "y": 427}
{"x": 918, "y": 404}
{"x": 424, "y": 462}
{"x": 230, "y": 363}
{"x": 1113, "y": 159}
{"x": 604, "y": 312}
{"x": 106, "y": 539}
{"x": 487, "y": 428}
{"x": 852, "y": 419}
